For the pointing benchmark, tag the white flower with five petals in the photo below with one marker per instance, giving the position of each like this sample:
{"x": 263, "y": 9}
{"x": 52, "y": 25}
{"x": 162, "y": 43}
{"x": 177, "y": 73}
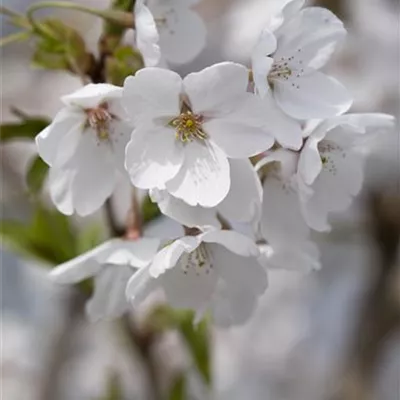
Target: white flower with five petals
{"x": 168, "y": 29}
{"x": 242, "y": 203}
{"x": 302, "y": 189}
{"x": 187, "y": 129}
{"x": 286, "y": 64}
{"x": 84, "y": 147}
{"x": 331, "y": 164}
{"x": 215, "y": 271}
{"x": 111, "y": 265}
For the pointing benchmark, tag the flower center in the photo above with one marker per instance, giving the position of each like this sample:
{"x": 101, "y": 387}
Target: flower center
{"x": 198, "y": 261}
{"x": 286, "y": 68}
{"x": 329, "y": 151}
{"x": 188, "y": 126}
{"x": 99, "y": 119}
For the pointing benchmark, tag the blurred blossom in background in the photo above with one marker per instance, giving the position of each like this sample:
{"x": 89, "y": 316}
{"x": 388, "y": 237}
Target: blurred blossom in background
{"x": 310, "y": 331}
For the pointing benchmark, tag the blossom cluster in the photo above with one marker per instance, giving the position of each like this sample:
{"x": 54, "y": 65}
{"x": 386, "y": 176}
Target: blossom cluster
{"x": 269, "y": 144}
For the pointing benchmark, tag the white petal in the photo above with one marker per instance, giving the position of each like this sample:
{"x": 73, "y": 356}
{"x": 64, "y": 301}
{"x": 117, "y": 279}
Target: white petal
{"x": 310, "y": 163}
{"x": 138, "y": 253}
{"x": 60, "y": 184}
{"x": 261, "y": 63}
{"x": 238, "y": 140}
{"x": 302, "y": 257}
{"x": 183, "y": 213}
{"x": 314, "y": 95}
{"x": 147, "y": 37}
{"x": 188, "y": 287}
{"x": 245, "y": 131}
{"x": 140, "y": 286}
{"x": 286, "y": 130}
{"x": 281, "y": 11}
{"x": 168, "y": 257}
{"x": 242, "y": 281}
{"x": 176, "y": 45}
{"x": 153, "y": 156}
{"x": 204, "y": 177}
{"x": 95, "y": 170}
{"x": 243, "y": 201}
{"x": 92, "y": 95}
{"x": 233, "y": 241}
{"x": 282, "y": 220}
{"x": 340, "y": 179}
{"x": 48, "y": 141}
{"x": 311, "y": 36}
{"x": 214, "y": 90}
{"x": 151, "y": 94}
{"x": 108, "y": 300}
{"x": 119, "y": 137}
{"x": 85, "y": 266}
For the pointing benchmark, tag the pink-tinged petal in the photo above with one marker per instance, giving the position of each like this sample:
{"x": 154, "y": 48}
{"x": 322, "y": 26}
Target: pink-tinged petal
{"x": 92, "y": 95}
{"x": 314, "y": 95}
{"x": 151, "y": 94}
{"x": 153, "y": 157}
{"x": 214, "y": 90}
{"x": 204, "y": 177}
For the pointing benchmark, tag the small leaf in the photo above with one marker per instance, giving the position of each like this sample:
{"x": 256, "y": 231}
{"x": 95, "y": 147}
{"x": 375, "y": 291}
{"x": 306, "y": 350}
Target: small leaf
{"x": 178, "y": 389}
{"x": 61, "y": 47}
{"x": 37, "y": 173}
{"x": 28, "y": 128}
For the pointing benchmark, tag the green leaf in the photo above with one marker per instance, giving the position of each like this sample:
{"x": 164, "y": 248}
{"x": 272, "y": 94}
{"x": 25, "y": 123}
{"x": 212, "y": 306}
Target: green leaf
{"x": 28, "y": 128}
{"x": 125, "y": 61}
{"x": 178, "y": 388}
{"x": 61, "y": 47}
{"x": 37, "y": 173}
{"x": 116, "y": 30}
{"x": 150, "y": 210}
{"x": 49, "y": 236}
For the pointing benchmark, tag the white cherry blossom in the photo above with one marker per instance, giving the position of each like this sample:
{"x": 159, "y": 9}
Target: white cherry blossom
{"x": 286, "y": 63}
{"x": 111, "y": 265}
{"x": 331, "y": 164}
{"x": 242, "y": 203}
{"x": 169, "y": 29}
{"x": 84, "y": 147}
{"x": 301, "y": 189}
{"x": 215, "y": 271}
{"x": 187, "y": 129}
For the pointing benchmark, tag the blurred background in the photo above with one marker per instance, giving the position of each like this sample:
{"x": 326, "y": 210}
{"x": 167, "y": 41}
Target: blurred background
{"x": 330, "y": 335}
